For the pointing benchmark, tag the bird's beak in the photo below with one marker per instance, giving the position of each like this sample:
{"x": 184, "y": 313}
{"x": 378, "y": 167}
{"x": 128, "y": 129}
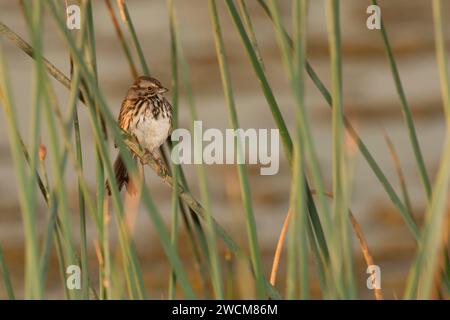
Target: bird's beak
{"x": 162, "y": 90}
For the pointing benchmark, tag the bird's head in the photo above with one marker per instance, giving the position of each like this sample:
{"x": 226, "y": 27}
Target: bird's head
{"x": 150, "y": 84}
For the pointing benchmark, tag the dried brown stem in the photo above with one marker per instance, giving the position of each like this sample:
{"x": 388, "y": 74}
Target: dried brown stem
{"x": 160, "y": 168}
{"x": 356, "y": 228}
{"x": 279, "y": 249}
{"x": 365, "y": 250}
{"x": 121, "y": 5}
{"x": 400, "y": 175}
{"x": 25, "y": 47}
{"x": 120, "y": 36}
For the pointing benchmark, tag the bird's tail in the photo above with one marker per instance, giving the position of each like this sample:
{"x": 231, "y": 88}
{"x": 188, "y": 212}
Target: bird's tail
{"x": 121, "y": 174}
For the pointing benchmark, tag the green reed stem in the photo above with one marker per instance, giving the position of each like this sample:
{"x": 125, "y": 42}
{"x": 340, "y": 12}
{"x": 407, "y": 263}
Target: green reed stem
{"x": 105, "y": 268}
{"x": 201, "y": 172}
{"x": 89, "y": 202}
{"x": 175, "y": 167}
{"x": 401, "y": 176}
{"x": 89, "y": 29}
{"x": 135, "y": 40}
{"x": 122, "y": 40}
{"x": 6, "y": 279}
{"x": 432, "y": 238}
{"x": 340, "y": 231}
{"x": 198, "y": 227}
{"x": 306, "y": 133}
{"x": 34, "y": 27}
{"x": 361, "y": 145}
{"x": 31, "y": 15}
{"x": 34, "y": 288}
{"x": 50, "y": 234}
{"x": 130, "y": 165}
{"x": 257, "y": 64}
{"x": 431, "y": 242}
{"x": 126, "y": 244}
{"x": 56, "y": 157}
{"x": 243, "y": 180}
{"x": 247, "y": 22}
{"x": 48, "y": 197}
{"x": 406, "y": 110}
{"x": 442, "y": 59}
{"x": 298, "y": 243}
{"x": 184, "y": 195}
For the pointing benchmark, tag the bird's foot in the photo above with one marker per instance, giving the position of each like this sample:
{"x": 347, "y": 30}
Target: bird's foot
{"x": 162, "y": 168}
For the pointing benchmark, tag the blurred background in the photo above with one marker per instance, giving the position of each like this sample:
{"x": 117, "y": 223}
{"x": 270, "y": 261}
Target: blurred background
{"x": 370, "y": 101}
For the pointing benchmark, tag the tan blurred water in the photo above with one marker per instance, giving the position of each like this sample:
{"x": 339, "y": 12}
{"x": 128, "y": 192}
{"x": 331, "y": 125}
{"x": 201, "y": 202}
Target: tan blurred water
{"x": 370, "y": 101}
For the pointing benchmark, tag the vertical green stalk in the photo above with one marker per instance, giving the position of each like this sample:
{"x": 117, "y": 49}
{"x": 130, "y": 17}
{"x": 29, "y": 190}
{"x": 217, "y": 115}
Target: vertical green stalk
{"x": 131, "y": 272}
{"x": 315, "y": 230}
{"x": 65, "y": 128}
{"x": 81, "y": 203}
{"x": 310, "y": 152}
{"x": 298, "y": 246}
{"x": 124, "y": 239}
{"x": 406, "y": 111}
{"x": 214, "y": 262}
{"x": 34, "y": 287}
{"x": 441, "y": 57}
{"x": 135, "y": 39}
{"x": 122, "y": 40}
{"x": 309, "y": 144}
{"x": 337, "y": 250}
{"x": 243, "y": 180}
{"x": 340, "y": 233}
{"x": 204, "y": 190}
{"x": 102, "y": 204}
{"x": 174, "y": 235}
{"x": 82, "y": 208}
{"x": 361, "y": 145}
{"x": 58, "y": 174}
{"x": 401, "y": 176}
{"x": 297, "y": 251}
{"x": 183, "y": 208}
{"x": 249, "y": 42}
{"x": 49, "y": 235}
{"x": 175, "y": 167}
{"x": 250, "y": 32}
{"x": 54, "y": 224}
{"x": 167, "y": 245}
{"x": 99, "y": 167}
{"x": 6, "y": 278}
{"x": 126, "y": 243}
{"x": 445, "y": 89}
{"x": 35, "y": 31}
{"x": 431, "y": 241}
{"x": 31, "y": 15}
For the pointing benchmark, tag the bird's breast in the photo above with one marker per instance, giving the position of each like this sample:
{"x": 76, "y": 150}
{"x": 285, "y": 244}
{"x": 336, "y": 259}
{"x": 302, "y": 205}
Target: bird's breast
{"x": 150, "y": 128}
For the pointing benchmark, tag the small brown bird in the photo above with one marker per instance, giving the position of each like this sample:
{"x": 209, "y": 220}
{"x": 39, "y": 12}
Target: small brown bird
{"x": 146, "y": 115}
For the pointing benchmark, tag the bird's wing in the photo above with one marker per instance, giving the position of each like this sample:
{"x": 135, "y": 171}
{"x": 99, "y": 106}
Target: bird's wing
{"x": 126, "y": 114}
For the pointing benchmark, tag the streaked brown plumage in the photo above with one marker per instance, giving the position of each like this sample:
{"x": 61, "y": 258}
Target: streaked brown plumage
{"x": 146, "y": 115}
